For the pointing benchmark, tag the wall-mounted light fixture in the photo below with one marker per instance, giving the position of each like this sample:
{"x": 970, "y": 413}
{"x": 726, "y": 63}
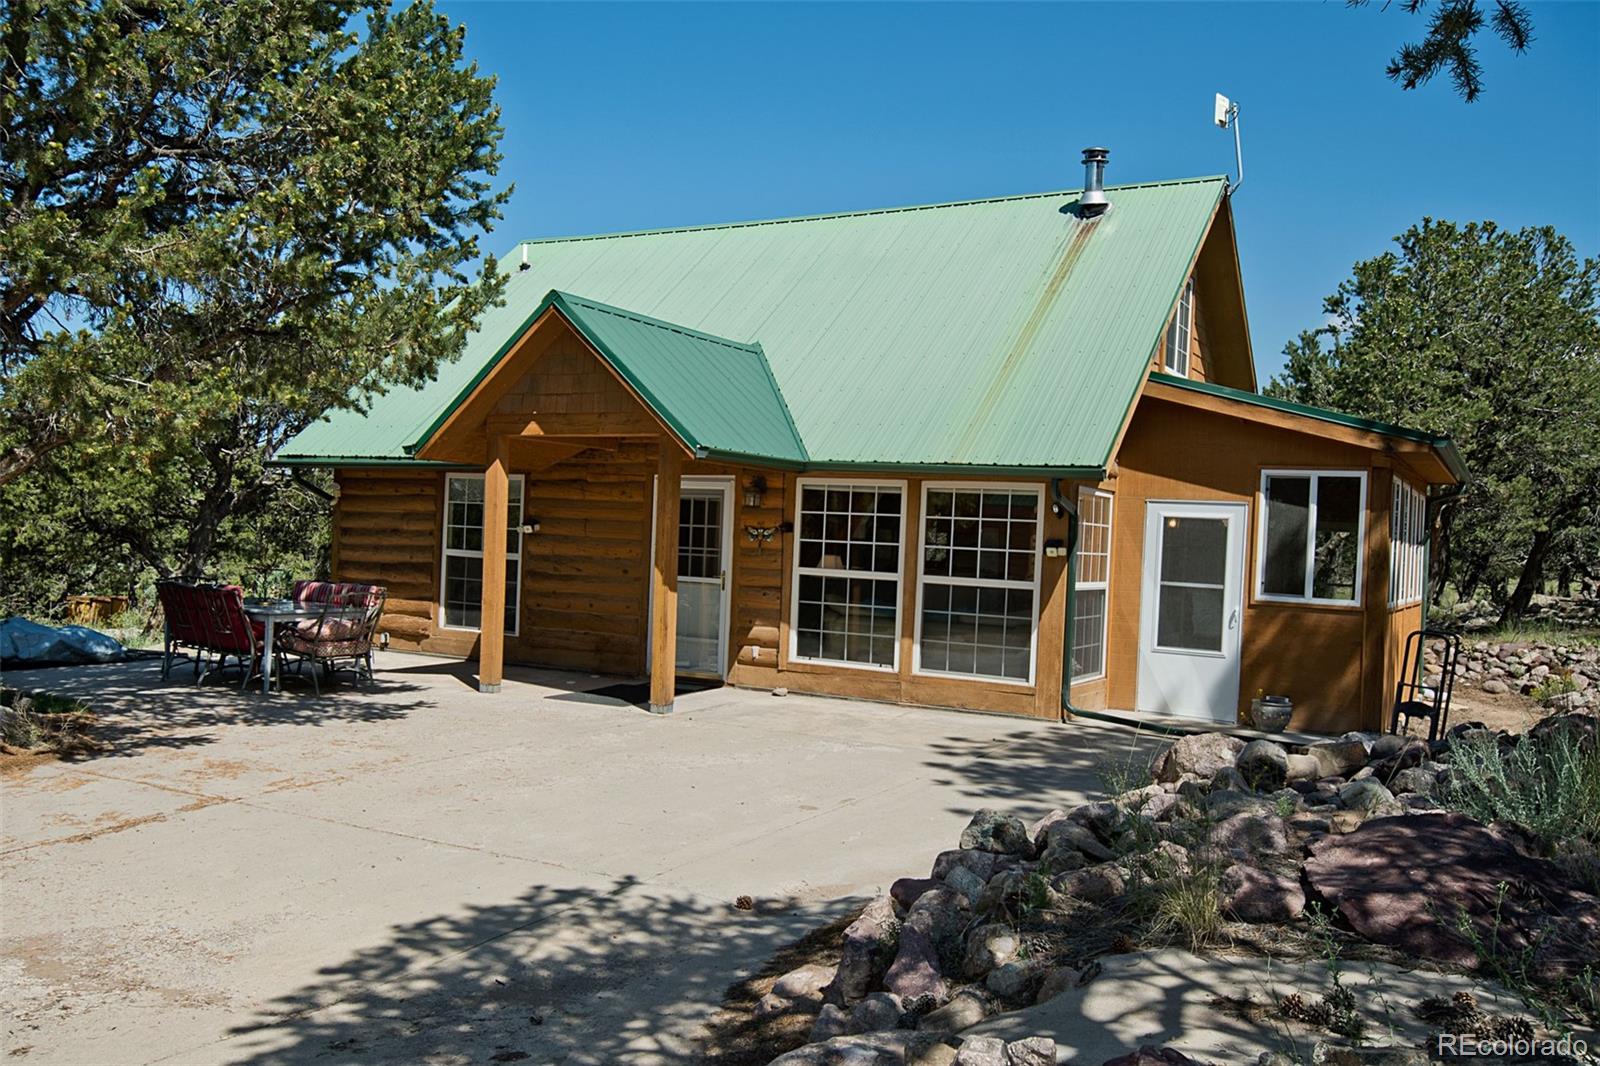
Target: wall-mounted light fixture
{"x": 755, "y": 490}
{"x": 761, "y": 534}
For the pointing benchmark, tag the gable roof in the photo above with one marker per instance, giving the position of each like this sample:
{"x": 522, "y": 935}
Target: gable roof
{"x": 1005, "y": 334}
{"x": 668, "y": 367}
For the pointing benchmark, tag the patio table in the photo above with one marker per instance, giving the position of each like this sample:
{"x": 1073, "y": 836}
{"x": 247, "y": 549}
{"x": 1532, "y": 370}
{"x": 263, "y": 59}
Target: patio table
{"x": 270, "y": 612}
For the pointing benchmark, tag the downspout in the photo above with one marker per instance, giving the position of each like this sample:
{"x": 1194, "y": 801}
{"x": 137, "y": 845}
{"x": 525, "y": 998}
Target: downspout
{"x": 1061, "y": 505}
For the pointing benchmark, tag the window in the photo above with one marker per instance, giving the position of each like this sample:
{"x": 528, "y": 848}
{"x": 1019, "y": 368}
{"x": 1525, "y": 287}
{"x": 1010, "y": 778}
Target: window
{"x": 1310, "y": 541}
{"x": 1408, "y": 539}
{"x": 461, "y": 603}
{"x": 847, "y": 573}
{"x": 1089, "y": 589}
{"x": 978, "y": 582}
{"x": 1180, "y": 332}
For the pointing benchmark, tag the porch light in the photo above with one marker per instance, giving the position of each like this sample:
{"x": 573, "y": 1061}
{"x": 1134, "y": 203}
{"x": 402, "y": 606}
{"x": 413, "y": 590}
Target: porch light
{"x": 755, "y": 491}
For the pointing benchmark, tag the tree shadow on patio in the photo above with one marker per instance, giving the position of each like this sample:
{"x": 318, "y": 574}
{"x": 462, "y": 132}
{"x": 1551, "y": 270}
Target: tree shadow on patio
{"x": 1011, "y": 772}
{"x": 603, "y": 975}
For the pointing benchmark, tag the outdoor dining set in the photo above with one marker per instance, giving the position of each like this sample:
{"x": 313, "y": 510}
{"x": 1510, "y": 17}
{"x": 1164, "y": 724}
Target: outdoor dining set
{"x": 330, "y": 625}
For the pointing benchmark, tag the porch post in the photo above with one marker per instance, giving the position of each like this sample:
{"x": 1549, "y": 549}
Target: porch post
{"x": 492, "y": 620}
{"x": 664, "y": 579}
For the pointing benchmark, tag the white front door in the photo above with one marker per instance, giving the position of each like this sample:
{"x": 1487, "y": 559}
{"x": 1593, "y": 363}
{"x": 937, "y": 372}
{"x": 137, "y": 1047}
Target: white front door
{"x": 705, "y": 544}
{"x": 1190, "y": 613}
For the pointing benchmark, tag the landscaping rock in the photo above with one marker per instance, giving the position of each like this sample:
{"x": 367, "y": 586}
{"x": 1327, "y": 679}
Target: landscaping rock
{"x": 1250, "y": 833}
{"x": 1078, "y": 837}
{"x": 1003, "y": 834}
{"x": 1264, "y": 765}
{"x": 1229, "y": 802}
{"x": 1152, "y": 1056}
{"x": 1366, "y": 794}
{"x": 1338, "y": 758}
{"x": 1102, "y": 818}
{"x": 1495, "y": 687}
{"x": 1201, "y": 754}
{"x": 966, "y": 1008}
{"x": 1094, "y": 884}
{"x": 965, "y": 882}
{"x": 915, "y": 970}
{"x": 832, "y": 1020}
{"x": 983, "y": 863}
{"x": 989, "y": 946}
{"x": 906, "y": 890}
{"x": 869, "y": 947}
{"x": 982, "y": 1051}
{"x": 901, "y": 1047}
{"x": 1034, "y": 1051}
{"x": 804, "y": 982}
{"x": 1346, "y": 821}
{"x": 1414, "y": 779}
{"x": 1010, "y": 980}
{"x": 1063, "y": 859}
{"x": 1388, "y": 879}
{"x": 1056, "y": 982}
{"x": 1230, "y": 779}
{"x": 879, "y": 1011}
{"x": 1251, "y": 894}
{"x": 1161, "y": 807}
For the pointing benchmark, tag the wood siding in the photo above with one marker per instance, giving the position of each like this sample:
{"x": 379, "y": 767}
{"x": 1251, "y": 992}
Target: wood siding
{"x": 1321, "y": 656}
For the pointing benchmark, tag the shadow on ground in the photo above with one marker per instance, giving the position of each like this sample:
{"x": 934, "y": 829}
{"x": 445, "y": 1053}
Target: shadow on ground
{"x": 623, "y": 973}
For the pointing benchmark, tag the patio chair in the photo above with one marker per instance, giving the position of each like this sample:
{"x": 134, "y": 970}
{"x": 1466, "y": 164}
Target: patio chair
{"x": 229, "y": 632}
{"x": 334, "y": 637}
{"x": 185, "y": 629}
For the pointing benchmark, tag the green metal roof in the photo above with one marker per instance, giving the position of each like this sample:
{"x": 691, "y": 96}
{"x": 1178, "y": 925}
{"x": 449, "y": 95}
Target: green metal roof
{"x": 1005, "y": 335}
{"x": 1444, "y": 445}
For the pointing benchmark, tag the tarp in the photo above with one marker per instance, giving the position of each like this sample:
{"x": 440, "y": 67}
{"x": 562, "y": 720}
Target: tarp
{"x": 25, "y": 643}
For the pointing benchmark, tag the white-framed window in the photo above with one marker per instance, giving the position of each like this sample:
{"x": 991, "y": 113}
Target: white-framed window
{"x": 846, "y": 608}
{"x": 1309, "y": 545}
{"x": 1091, "y": 585}
{"x": 461, "y": 579}
{"x": 1408, "y": 539}
{"x": 1180, "y": 333}
{"x": 978, "y": 581}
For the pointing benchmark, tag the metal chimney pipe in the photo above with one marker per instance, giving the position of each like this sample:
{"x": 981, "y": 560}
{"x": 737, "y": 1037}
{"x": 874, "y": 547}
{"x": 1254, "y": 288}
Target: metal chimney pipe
{"x": 1093, "y": 201}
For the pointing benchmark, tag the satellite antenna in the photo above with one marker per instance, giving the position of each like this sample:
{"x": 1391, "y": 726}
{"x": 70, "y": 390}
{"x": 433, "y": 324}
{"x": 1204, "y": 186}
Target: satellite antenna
{"x": 1226, "y": 114}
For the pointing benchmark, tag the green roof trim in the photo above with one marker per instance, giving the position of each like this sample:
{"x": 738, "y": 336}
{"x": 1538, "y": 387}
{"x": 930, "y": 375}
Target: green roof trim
{"x": 1444, "y": 445}
{"x": 990, "y": 335}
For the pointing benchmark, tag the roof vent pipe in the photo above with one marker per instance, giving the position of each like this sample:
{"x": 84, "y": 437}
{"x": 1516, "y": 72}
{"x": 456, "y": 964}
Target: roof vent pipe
{"x": 1093, "y": 201}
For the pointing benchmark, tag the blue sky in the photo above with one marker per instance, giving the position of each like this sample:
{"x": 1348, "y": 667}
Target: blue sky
{"x": 624, "y": 116}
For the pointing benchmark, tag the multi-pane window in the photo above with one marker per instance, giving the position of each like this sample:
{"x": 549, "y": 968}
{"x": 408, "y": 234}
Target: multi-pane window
{"x": 847, "y": 573}
{"x": 700, "y": 536}
{"x": 1408, "y": 539}
{"x": 1180, "y": 333}
{"x": 1310, "y": 541}
{"x": 461, "y": 602}
{"x": 979, "y": 582}
{"x": 1089, "y": 589}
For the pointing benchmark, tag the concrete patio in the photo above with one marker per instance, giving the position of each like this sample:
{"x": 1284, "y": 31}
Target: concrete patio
{"x": 427, "y": 873}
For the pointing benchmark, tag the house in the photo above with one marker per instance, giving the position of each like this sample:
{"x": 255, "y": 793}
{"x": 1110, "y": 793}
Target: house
{"x": 1001, "y": 454}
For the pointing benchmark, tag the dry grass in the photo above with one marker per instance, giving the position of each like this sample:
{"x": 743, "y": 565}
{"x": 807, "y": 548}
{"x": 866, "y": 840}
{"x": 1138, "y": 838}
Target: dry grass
{"x": 35, "y": 723}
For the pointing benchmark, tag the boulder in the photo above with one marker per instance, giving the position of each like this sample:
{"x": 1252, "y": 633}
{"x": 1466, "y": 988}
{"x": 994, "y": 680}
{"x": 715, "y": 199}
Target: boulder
{"x": 1415, "y": 779}
{"x": 989, "y": 946}
{"x": 1161, "y": 807}
{"x": 1037, "y": 829}
{"x": 1495, "y": 687}
{"x": 1388, "y": 878}
{"x": 1101, "y": 818}
{"x": 901, "y": 1047}
{"x": 1150, "y": 1056}
{"x": 1338, "y": 758}
{"x": 982, "y": 1051}
{"x": 1249, "y": 834}
{"x": 966, "y": 1008}
{"x": 1264, "y": 765}
{"x": 832, "y": 1020}
{"x": 1002, "y": 834}
{"x": 804, "y": 982}
{"x": 869, "y": 947}
{"x": 915, "y": 970}
{"x": 1060, "y": 860}
{"x": 1201, "y": 754}
{"x": 983, "y": 863}
{"x": 877, "y": 1012}
{"x": 1056, "y": 982}
{"x": 1228, "y": 778}
{"x": 1303, "y": 768}
{"x": 1229, "y": 802}
{"x": 1252, "y": 894}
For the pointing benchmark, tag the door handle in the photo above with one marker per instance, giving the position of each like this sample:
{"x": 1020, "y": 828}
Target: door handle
{"x": 722, "y": 578}
{"x": 1233, "y": 618}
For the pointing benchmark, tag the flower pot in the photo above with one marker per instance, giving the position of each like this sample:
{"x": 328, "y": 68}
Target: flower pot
{"x": 1271, "y": 714}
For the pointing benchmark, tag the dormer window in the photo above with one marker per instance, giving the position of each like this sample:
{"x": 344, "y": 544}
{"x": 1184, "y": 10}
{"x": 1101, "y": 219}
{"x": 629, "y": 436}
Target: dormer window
{"x": 1175, "y": 359}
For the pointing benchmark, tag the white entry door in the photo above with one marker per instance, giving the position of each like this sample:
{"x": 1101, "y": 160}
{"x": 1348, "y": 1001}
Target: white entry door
{"x": 704, "y": 548}
{"x": 1191, "y": 609}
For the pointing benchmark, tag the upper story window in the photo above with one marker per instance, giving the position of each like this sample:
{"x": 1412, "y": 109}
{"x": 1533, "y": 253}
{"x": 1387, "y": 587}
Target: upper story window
{"x": 1180, "y": 334}
{"x": 1311, "y": 531}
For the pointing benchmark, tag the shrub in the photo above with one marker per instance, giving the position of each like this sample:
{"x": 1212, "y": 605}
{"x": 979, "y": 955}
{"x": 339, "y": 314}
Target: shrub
{"x": 40, "y": 721}
{"x": 1549, "y": 783}
{"x": 1187, "y": 908}
{"x": 1553, "y": 685}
